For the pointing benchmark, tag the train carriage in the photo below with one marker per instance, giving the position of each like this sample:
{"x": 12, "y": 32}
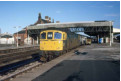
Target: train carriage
{"x": 88, "y": 41}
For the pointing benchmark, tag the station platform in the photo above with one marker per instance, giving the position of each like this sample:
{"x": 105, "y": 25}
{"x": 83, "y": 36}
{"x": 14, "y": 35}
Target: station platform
{"x": 94, "y": 62}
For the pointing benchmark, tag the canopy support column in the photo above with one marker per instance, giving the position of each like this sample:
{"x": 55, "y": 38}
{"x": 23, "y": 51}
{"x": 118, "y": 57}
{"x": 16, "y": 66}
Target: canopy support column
{"x": 98, "y": 38}
{"x": 37, "y": 40}
{"x": 112, "y": 37}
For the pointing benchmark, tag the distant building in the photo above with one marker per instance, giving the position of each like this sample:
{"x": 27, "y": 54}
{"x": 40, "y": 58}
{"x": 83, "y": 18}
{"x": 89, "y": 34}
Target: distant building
{"x": 22, "y": 35}
{"x": 6, "y": 38}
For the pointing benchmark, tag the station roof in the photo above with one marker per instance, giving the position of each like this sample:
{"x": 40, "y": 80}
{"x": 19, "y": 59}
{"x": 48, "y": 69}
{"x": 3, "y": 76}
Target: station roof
{"x": 91, "y": 28}
{"x": 72, "y": 25}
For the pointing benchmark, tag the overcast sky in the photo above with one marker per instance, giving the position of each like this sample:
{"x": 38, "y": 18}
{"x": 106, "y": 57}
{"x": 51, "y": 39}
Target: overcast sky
{"x": 21, "y": 13}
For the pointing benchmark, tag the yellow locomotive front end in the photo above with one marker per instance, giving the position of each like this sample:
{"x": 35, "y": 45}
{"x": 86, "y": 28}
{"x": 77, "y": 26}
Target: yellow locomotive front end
{"x": 51, "y": 40}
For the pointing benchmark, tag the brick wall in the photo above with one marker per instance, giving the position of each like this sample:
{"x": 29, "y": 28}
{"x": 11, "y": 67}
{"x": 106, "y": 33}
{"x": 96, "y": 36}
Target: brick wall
{"x": 21, "y": 38}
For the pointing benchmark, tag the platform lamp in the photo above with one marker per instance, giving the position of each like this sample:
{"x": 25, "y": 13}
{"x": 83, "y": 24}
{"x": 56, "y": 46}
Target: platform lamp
{"x": 17, "y": 33}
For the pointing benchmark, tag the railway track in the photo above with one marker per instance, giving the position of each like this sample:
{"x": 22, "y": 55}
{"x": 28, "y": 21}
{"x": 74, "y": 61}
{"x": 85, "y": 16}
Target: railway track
{"x": 6, "y": 69}
{"x": 18, "y": 55}
{"x": 25, "y": 68}
{"x": 17, "y": 61}
{"x": 19, "y": 69}
{"x": 14, "y": 49}
{"x": 11, "y": 72}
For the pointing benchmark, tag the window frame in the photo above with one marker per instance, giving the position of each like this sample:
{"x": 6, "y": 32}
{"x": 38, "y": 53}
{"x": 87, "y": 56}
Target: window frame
{"x": 45, "y": 37}
{"x": 60, "y": 33}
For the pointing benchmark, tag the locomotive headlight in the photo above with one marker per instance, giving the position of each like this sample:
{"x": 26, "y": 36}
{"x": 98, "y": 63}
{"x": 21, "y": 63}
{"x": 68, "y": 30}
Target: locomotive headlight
{"x": 59, "y": 41}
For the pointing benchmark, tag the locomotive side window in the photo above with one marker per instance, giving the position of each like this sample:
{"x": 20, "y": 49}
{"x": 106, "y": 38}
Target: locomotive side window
{"x": 63, "y": 36}
{"x": 43, "y": 35}
{"x": 50, "y": 35}
{"x": 57, "y": 35}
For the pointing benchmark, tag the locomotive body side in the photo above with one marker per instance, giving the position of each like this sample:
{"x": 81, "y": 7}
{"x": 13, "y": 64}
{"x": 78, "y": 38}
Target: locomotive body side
{"x": 73, "y": 41}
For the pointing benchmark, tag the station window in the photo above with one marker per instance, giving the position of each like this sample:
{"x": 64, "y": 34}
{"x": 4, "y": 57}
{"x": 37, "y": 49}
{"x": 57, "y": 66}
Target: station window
{"x": 50, "y": 35}
{"x": 57, "y": 35}
{"x": 43, "y": 35}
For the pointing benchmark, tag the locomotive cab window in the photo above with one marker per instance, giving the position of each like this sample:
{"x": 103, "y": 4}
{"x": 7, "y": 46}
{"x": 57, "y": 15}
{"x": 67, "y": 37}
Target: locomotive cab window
{"x": 43, "y": 35}
{"x": 64, "y": 36}
{"x": 57, "y": 35}
{"x": 50, "y": 35}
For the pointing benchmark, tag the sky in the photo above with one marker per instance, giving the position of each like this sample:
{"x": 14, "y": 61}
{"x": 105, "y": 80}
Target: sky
{"x": 24, "y": 13}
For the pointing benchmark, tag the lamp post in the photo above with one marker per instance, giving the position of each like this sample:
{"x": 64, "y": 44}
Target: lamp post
{"x": 27, "y": 35}
{"x": 17, "y": 34}
{"x": 0, "y": 32}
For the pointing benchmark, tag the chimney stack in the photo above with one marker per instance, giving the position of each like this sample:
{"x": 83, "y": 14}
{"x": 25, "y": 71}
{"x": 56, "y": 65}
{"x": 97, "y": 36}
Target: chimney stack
{"x": 46, "y": 18}
{"x": 57, "y": 21}
{"x": 39, "y": 17}
{"x": 50, "y": 19}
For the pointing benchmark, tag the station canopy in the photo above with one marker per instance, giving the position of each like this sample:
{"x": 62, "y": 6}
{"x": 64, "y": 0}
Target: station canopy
{"x": 91, "y": 28}
{"x": 116, "y": 31}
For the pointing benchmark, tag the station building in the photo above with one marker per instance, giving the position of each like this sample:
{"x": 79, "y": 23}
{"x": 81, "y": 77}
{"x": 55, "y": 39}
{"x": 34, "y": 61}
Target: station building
{"x": 22, "y": 35}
